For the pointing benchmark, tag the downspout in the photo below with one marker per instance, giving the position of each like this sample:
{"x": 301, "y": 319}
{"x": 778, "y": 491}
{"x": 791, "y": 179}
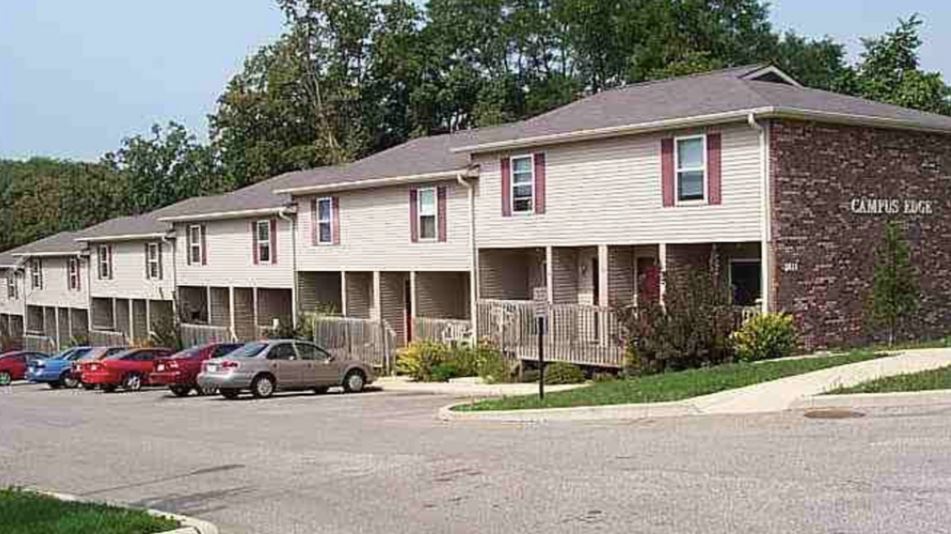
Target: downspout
{"x": 293, "y": 225}
{"x": 473, "y": 259}
{"x": 765, "y": 198}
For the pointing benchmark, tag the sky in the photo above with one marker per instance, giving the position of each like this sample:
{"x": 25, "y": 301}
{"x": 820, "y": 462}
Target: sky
{"x": 78, "y": 77}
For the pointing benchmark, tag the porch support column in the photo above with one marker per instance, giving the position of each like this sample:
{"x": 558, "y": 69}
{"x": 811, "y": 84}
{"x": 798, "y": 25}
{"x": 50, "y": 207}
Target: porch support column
{"x": 662, "y": 264}
{"x": 377, "y": 312}
{"x": 56, "y": 319}
{"x": 343, "y": 293}
{"x": 69, "y": 321}
{"x": 115, "y": 319}
{"x": 232, "y": 314}
{"x": 148, "y": 317}
{"x": 208, "y": 303}
{"x": 602, "y": 275}
{"x": 412, "y": 294}
{"x": 549, "y": 277}
{"x": 254, "y": 304}
{"x": 131, "y": 320}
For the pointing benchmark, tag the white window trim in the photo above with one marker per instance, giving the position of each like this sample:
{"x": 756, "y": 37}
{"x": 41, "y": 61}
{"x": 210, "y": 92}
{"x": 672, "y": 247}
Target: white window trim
{"x": 153, "y": 261}
{"x": 36, "y": 274}
{"x": 419, "y": 214}
{"x": 12, "y": 289}
{"x": 102, "y": 257}
{"x": 531, "y": 159}
{"x": 72, "y": 270}
{"x": 193, "y": 244}
{"x": 329, "y": 221}
{"x": 261, "y": 244}
{"x": 729, "y": 276}
{"x": 677, "y": 171}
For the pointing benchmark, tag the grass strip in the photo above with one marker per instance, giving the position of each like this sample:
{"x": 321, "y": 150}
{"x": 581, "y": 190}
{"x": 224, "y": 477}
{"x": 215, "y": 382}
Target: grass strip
{"x": 27, "y": 512}
{"x": 922, "y": 381}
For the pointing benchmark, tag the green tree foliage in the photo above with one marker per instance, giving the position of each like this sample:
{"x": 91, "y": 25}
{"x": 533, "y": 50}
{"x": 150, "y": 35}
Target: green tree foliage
{"x": 894, "y": 286}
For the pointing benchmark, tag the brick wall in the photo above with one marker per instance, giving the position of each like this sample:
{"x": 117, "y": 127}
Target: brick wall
{"x": 824, "y": 254}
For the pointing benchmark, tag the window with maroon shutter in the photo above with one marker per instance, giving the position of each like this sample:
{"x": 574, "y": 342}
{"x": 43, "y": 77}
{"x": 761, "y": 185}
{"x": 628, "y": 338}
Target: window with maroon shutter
{"x": 427, "y": 208}
{"x": 195, "y": 244}
{"x": 690, "y": 165}
{"x": 325, "y": 216}
{"x": 413, "y": 215}
{"x": 153, "y": 261}
{"x": 72, "y": 274}
{"x": 523, "y": 184}
{"x": 263, "y": 244}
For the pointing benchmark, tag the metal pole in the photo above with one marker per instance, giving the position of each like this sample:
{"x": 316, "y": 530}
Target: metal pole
{"x": 541, "y": 357}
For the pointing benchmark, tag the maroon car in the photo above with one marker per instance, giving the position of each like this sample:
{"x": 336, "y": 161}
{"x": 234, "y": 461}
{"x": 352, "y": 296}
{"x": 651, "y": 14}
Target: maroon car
{"x": 180, "y": 371}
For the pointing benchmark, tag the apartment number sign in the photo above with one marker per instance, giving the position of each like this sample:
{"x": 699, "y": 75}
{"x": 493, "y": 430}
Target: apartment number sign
{"x": 891, "y": 206}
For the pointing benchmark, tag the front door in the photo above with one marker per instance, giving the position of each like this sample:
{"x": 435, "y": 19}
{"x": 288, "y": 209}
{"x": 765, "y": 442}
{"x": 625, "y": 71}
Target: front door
{"x": 745, "y": 282}
{"x": 648, "y": 280}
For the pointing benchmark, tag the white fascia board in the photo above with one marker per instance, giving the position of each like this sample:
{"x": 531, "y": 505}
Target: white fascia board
{"x": 373, "y": 183}
{"x": 236, "y": 214}
{"x": 127, "y": 237}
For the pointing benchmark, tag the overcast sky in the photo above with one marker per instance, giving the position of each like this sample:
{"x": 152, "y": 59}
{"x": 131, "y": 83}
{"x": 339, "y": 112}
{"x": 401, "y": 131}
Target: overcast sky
{"x": 77, "y": 77}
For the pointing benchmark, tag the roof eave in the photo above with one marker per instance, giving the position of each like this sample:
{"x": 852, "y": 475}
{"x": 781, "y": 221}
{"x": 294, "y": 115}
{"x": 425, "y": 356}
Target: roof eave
{"x": 125, "y": 237}
{"x": 372, "y": 183}
{"x": 233, "y": 214}
{"x": 52, "y": 254}
{"x": 855, "y": 120}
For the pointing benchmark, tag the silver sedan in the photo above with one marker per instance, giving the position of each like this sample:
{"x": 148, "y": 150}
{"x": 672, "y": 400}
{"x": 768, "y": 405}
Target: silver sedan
{"x": 264, "y": 367}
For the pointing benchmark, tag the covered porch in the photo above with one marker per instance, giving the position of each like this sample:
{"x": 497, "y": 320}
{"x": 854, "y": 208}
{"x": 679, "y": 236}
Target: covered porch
{"x": 217, "y": 313}
{"x": 51, "y": 329}
{"x": 118, "y": 321}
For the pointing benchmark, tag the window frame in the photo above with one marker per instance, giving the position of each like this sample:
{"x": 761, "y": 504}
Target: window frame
{"x": 434, "y": 214}
{"x": 12, "y": 289}
{"x": 704, "y": 177}
{"x": 531, "y": 183}
{"x": 729, "y": 278}
{"x": 329, "y": 221}
{"x": 103, "y": 262}
{"x": 36, "y": 273}
{"x": 194, "y": 243}
{"x": 153, "y": 261}
{"x": 72, "y": 273}
{"x": 260, "y": 245}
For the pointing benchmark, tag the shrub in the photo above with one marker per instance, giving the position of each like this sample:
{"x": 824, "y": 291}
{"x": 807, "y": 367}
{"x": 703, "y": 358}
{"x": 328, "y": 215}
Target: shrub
{"x": 490, "y": 364}
{"x": 563, "y": 373}
{"x": 443, "y": 372}
{"x": 765, "y": 337}
{"x": 530, "y": 375}
{"x": 167, "y": 332}
{"x": 418, "y": 359}
{"x": 432, "y": 361}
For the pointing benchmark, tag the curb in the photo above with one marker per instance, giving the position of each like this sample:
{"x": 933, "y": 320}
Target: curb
{"x": 580, "y": 413}
{"x": 874, "y": 400}
{"x": 190, "y": 525}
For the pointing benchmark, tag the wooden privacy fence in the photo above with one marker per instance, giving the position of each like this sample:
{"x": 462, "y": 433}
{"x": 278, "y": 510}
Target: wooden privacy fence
{"x": 107, "y": 338}
{"x": 201, "y": 334}
{"x": 371, "y": 341}
{"x": 443, "y": 330}
{"x": 37, "y": 343}
{"x": 577, "y": 333}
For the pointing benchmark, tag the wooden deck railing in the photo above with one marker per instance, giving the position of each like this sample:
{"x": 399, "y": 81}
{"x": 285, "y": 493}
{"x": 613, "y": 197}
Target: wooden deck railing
{"x": 202, "y": 334}
{"x": 39, "y": 343}
{"x": 107, "y": 338}
{"x": 371, "y": 341}
{"x": 444, "y": 330}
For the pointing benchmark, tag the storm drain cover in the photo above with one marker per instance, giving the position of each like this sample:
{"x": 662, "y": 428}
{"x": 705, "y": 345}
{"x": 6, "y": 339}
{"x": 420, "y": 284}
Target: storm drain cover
{"x": 833, "y": 413}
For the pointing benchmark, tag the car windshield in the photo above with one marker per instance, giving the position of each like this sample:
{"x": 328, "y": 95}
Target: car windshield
{"x": 187, "y": 353}
{"x": 248, "y": 351}
{"x": 118, "y": 355}
{"x": 78, "y": 354}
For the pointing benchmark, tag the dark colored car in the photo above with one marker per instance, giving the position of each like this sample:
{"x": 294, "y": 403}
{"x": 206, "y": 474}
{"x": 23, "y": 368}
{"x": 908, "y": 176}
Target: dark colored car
{"x": 13, "y": 364}
{"x": 180, "y": 371}
{"x": 129, "y": 369}
{"x": 94, "y": 355}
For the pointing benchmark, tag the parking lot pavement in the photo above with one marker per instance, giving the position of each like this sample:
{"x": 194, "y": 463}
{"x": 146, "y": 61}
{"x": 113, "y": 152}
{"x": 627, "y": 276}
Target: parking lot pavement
{"x": 382, "y": 462}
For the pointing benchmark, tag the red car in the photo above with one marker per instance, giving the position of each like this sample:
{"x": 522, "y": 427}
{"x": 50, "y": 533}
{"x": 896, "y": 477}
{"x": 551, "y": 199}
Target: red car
{"x": 95, "y": 354}
{"x": 129, "y": 369}
{"x": 180, "y": 371}
{"x": 13, "y": 364}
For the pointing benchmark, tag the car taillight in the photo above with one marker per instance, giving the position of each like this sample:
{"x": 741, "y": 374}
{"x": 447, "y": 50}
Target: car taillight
{"x": 172, "y": 364}
{"x": 227, "y": 364}
{"x": 93, "y": 366}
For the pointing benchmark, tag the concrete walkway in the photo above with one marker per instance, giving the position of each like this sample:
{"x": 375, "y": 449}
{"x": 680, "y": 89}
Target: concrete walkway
{"x": 772, "y": 396}
{"x": 464, "y": 387}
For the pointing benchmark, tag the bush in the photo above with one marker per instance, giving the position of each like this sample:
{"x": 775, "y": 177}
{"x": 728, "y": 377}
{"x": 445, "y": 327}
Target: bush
{"x": 765, "y": 337}
{"x": 490, "y": 364}
{"x": 563, "y": 373}
{"x": 432, "y": 361}
{"x": 418, "y": 359}
{"x": 443, "y": 372}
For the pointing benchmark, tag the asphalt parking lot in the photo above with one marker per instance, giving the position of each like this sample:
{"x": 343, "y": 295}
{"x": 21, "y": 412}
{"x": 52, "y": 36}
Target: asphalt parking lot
{"x": 381, "y": 462}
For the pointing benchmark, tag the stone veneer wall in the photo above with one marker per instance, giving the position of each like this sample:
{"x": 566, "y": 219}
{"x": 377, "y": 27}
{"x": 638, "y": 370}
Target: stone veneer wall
{"x": 824, "y": 254}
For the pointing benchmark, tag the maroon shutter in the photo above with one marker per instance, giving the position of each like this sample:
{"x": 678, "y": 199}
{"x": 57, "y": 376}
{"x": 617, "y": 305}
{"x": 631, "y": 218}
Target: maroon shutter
{"x": 204, "y": 246}
{"x": 335, "y": 220}
{"x": 313, "y": 222}
{"x": 188, "y": 245}
{"x": 69, "y": 283}
{"x": 667, "y": 170}
{"x": 147, "y": 261}
{"x": 79, "y": 275}
{"x": 714, "y": 182}
{"x": 254, "y": 242}
{"x": 273, "y": 235}
{"x": 109, "y": 248}
{"x": 413, "y": 216}
{"x": 441, "y": 212}
{"x": 540, "y": 182}
{"x": 506, "y": 169}
{"x": 160, "y": 269}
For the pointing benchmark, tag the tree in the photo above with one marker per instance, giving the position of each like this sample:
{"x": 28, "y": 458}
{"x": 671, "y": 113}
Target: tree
{"x": 894, "y": 286}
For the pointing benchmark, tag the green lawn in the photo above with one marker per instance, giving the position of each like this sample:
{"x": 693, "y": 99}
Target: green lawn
{"x": 26, "y": 512}
{"x": 923, "y": 381}
{"x": 671, "y": 386}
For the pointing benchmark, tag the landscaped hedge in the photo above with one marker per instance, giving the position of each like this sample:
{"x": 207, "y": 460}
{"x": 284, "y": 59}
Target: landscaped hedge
{"x": 432, "y": 361}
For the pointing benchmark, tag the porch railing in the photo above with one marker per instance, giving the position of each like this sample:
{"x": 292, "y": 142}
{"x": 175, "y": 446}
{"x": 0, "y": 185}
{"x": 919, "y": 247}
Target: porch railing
{"x": 371, "y": 341}
{"x": 107, "y": 338}
{"x": 201, "y": 334}
{"x": 444, "y": 330}
{"x": 748, "y": 312}
{"x": 38, "y": 343}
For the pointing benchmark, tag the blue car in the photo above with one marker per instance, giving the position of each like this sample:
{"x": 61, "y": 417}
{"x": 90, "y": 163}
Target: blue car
{"x": 56, "y": 371}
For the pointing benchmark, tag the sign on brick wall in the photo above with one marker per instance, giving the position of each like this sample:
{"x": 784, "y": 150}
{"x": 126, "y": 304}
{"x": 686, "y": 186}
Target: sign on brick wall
{"x": 891, "y": 206}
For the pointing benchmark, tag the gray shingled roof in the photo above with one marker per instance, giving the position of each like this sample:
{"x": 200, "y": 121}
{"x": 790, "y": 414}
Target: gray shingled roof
{"x": 712, "y": 93}
{"x": 63, "y": 243}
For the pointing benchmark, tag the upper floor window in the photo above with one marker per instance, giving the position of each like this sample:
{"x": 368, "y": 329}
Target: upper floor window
{"x": 153, "y": 261}
{"x": 691, "y": 167}
{"x": 36, "y": 273}
{"x": 104, "y": 261}
{"x": 426, "y": 211}
{"x": 12, "y": 292}
{"x": 72, "y": 273}
{"x": 196, "y": 244}
{"x": 325, "y": 220}
{"x": 523, "y": 184}
{"x": 262, "y": 235}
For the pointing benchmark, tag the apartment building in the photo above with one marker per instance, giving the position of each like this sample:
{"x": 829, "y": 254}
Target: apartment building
{"x": 12, "y": 307}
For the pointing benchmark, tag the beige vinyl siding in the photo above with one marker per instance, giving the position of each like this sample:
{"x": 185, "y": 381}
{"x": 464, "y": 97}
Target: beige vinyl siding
{"x": 55, "y": 291}
{"x": 128, "y": 272}
{"x": 375, "y": 233}
{"x": 609, "y": 191}
{"x": 231, "y": 258}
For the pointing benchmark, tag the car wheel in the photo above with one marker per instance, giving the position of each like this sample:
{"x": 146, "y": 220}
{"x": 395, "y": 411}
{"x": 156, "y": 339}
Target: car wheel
{"x": 56, "y": 384}
{"x": 321, "y": 390}
{"x": 108, "y": 388}
{"x": 262, "y": 387}
{"x": 229, "y": 394}
{"x": 180, "y": 391}
{"x": 88, "y": 387}
{"x": 132, "y": 382}
{"x": 5, "y": 378}
{"x": 69, "y": 381}
{"x": 354, "y": 381}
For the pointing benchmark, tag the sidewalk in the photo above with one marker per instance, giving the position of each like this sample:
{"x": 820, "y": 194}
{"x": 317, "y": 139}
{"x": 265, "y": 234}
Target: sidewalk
{"x": 776, "y": 395}
{"x": 464, "y": 387}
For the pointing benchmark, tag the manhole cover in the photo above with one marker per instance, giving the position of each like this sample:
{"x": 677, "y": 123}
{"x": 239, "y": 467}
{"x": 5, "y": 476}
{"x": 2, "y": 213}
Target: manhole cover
{"x": 833, "y": 414}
